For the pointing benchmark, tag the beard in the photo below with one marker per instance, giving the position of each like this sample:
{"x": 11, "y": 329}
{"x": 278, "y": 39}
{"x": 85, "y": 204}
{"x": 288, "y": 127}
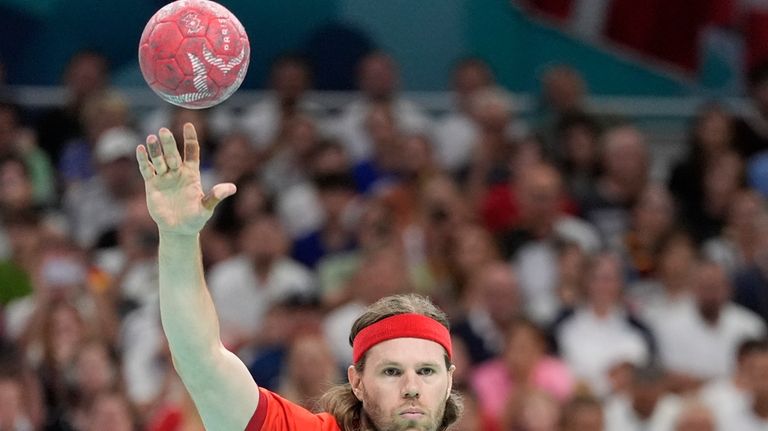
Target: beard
{"x": 381, "y": 422}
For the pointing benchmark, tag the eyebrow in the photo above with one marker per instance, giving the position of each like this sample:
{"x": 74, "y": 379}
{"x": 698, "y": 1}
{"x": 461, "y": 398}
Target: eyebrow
{"x": 398, "y": 364}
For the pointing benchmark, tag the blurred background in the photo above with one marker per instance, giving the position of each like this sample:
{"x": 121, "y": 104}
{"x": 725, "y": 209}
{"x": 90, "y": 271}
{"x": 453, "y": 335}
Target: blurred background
{"x": 580, "y": 184}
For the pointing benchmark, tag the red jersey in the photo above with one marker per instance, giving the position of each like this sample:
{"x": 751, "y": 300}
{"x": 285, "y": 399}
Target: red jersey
{"x": 275, "y": 413}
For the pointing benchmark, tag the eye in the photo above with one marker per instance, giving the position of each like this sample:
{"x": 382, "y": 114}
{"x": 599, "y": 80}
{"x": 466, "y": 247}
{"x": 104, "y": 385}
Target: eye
{"x": 391, "y": 372}
{"x": 426, "y": 371}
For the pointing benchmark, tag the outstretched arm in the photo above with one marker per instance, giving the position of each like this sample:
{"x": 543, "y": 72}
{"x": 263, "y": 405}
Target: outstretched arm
{"x": 219, "y": 383}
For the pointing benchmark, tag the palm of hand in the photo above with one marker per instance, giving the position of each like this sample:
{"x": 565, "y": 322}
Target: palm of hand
{"x": 175, "y": 197}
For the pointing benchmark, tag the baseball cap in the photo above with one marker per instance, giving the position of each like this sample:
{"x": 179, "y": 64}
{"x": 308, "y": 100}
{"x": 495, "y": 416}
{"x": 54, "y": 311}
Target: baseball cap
{"x": 116, "y": 143}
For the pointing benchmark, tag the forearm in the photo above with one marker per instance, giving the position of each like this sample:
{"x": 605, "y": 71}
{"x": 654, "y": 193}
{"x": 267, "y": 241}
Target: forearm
{"x": 186, "y": 309}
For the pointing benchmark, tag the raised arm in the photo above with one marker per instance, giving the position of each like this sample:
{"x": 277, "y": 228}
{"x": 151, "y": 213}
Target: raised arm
{"x": 219, "y": 383}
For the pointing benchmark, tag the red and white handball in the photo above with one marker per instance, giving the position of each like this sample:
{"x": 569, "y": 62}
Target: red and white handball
{"x": 194, "y": 53}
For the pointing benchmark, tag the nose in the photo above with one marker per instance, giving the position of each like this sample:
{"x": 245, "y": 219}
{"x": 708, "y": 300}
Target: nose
{"x": 410, "y": 388}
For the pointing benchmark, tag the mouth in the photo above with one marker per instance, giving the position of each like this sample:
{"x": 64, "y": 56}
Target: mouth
{"x": 412, "y": 414}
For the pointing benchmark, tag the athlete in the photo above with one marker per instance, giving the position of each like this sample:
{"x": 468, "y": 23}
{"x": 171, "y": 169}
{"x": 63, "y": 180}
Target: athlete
{"x": 401, "y": 374}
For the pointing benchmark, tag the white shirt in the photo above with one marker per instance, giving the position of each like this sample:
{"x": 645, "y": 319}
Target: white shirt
{"x": 242, "y": 299}
{"x": 620, "y": 416}
{"x": 141, "y": 346}
{"x": 591, "y": 346}
{"x": 350, "y": 126}
{"x": 724, "y": 399}
{"x": 690, "y": 345}
{"x": 91, "y": 210}
{"x": 746, "y": 420}
{"x": 455, "y": 137}
{"x": 299, "y": 210}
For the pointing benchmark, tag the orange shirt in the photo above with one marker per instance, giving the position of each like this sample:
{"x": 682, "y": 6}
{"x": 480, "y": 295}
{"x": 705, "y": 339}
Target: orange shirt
{"x": 275, "y": 413}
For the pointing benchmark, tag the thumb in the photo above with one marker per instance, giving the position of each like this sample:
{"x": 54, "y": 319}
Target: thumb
{"x": 217, "y": 194}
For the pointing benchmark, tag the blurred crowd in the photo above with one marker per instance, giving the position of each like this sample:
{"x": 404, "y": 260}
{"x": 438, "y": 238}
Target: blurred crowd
{"x": 584, "y": 292}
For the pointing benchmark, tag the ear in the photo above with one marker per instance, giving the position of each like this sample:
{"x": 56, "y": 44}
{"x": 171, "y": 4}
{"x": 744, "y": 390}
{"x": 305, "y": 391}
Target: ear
{"x": 355, "y": 380}
{"x": 450, "y": 381}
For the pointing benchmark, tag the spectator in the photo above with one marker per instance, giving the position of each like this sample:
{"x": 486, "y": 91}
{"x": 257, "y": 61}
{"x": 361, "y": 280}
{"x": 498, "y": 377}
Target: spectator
{"x": 646, "y": 407}
{"x": 652, "y": 221}
{"x": 96, "y": 207}
{"x": 750, "y": 282}
{"x": 737, "y": 244}
{"x": 695, "y": 416}
{"x": 711, "y": 136}
{"x": 86, "y": 74}
{"x": 493, "y": 302}
{"x": 563, "y": 92}
{"x": 523, "y": 365}
{"x": 578, "y": 152}
{"x": 749, "y": 130}
{"x": 268, "y": 121}
{"x": 337, "y": 200}
{"x": 670, "y": 289}
{"x": 601, "y": 334}
{"x": 755, "y": 414}
{"x": 110, "y": 410}
{"x": 730, "y": 395}
{"x": 378, "y": 82}
{"x": 310, "y": 370}
{"x": 16, "y": 140}
{"x": 583, "y": 413}
{"x": 531, "y": 243}
{"x": 100, "y": 112}
{"x": 245, "y": 286}
{"x": 700, "y": 341}
{"x": 625, "y": 171}
{"x": 532, "y": 410}
{"x": 13, "y": 414}
{"x": 456, "y": 133}
{"x": 722, "y": 181}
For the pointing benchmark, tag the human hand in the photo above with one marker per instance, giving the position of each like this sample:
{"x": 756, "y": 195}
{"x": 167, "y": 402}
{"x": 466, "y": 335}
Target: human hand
{"x": 175, "y": 196}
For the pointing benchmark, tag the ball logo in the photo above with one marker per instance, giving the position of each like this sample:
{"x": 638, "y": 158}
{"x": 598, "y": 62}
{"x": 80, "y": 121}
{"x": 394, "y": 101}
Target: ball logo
{"x": 191, "y": 23}
{"x": 194, "y": 53}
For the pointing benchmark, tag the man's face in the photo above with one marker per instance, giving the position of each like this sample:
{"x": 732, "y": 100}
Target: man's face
{"x": 405, "y": 384}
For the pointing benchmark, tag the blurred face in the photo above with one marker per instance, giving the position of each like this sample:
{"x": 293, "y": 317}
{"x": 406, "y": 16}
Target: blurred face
{"x": 381, "y": 275}
{"x": 66, "y": 332}
{"x": 470, "y": 78}
{"x": 745, "y": 212}
{"x": 417, "y": 154}
{"x": 8, "y": 129}
{"x": 472, "y": 248}
{"x": 492, "y": 116}
{"x": 654, "y": 213}
{"x": 110, "y": 412}
{"x": 645, "y": 396}
{"x": 264, "y": 240}
{"x": 15, "y": 186}
{"x": 539, "y": 195}
{"x": 585, "y": 418}
{"x": 10, "y": 403}
{"x": 758, "y": 375}
{"x": 712, "y": 288}
{"x": 581, "y": 146}
{"x": 378, "y": 77}
{"x": 86, "y": 74}
{"x": 234, "y": 158}
{"x": 697, "y": 419}
{"x": 625, "y": 154}
{"x": 677, "y": 258}
{"x": 498, "y": 286}
{"x": 121, "y": 176}
{"x": 95, "y": 370}
{"x": 524, "y": 349}
{"x": 604, "y": 281}
{"x": 405, "y": 384}
{"x": 563, "y": 89}
{"x": 311, "y": 363}
{"x": 539, "y": 413}
{"x": 713, "y": 131}
{"x": 290, "y": 80}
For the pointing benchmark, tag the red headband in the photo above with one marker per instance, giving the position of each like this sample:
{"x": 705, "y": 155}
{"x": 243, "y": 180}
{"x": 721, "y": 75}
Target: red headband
{"x": 408, "y": 325}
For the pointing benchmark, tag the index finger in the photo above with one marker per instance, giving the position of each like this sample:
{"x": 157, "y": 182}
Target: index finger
{"x": 191, "y": 145}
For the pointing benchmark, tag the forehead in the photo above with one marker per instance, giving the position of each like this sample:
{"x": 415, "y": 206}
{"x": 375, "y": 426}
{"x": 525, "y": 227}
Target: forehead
{"x": 406, "y": 351}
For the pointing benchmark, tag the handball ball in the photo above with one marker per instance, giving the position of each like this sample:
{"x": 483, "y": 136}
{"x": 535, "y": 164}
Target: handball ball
{"x": 194, "y": 53}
